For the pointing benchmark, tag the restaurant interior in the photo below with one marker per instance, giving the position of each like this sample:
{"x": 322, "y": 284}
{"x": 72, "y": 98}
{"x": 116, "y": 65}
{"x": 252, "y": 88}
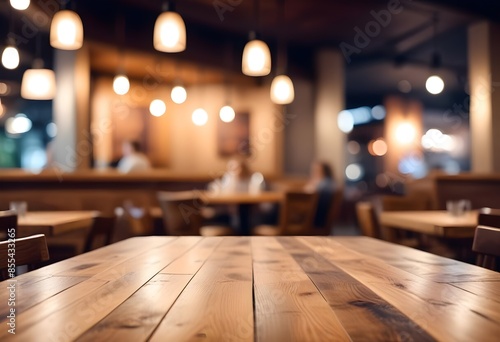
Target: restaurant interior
{"x": 298, "y": 143}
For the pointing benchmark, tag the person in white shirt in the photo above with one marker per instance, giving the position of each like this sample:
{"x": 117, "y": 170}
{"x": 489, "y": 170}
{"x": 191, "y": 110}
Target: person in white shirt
{"x": 133, "y": 159}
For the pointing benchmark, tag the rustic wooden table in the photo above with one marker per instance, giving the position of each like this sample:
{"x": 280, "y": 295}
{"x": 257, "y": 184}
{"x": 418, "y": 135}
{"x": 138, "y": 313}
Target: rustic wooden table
{"x": 53, "y": 223}
{"x": 255, "y": 288}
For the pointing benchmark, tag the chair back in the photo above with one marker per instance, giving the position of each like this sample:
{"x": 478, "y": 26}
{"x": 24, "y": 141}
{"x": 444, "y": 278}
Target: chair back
{"x": 367, "y": 219}
{"x": 181, "y": 212}
{"x": 8, "y": 220}
{"x": 403, "y": 203}
{"x": 332, "y": 214}
{"x": 487, "y": 238}
{"x": 29, "y": 251}
{"x": 297, "y": 215}
{"x": 102, "y": 229}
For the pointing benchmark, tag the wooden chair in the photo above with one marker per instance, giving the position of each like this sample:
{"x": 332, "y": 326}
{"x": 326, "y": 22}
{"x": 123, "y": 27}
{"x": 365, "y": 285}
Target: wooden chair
{"x": 296, "y": 216}
{"x": 403, "y": 203}
{"x": 8, "y": 219}
{"x": 487, "y": 238}
{"x": 102, "y": 229}
{"x": 182, "y": 215}
{"x": 30, "y": 251}
{"x": 332, "y": 214}
{"x": 367, "y": 219}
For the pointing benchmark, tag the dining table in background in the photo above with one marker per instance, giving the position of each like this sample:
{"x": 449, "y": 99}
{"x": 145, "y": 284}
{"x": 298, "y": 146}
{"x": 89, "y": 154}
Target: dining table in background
{"x": 243, "y": 200}
{"x": 431, "y": 222}
{"x": 53, "y": 223}
{"x": 162, "y": 288}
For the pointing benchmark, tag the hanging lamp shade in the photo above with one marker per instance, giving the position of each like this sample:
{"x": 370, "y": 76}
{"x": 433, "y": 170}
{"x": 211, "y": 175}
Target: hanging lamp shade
{"x": 38, "y": 83}
{"x": 169, "y": 33}
{"x": 20, "y": 5}
{"x": 256, "y": 58}
{"x": 282, "y": 91}
{"x": 66, "y": 31}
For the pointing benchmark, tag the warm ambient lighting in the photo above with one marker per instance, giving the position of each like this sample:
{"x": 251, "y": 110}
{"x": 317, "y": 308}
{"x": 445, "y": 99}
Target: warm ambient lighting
{"x": 256, "y": 59}
{"x": 377, "y": 147}
{"x": 157, "y": 107}
{"x": 199, "y": 117}
{"x": 121, "y": 84}
{"x": 178, "y": 94}
{"x": 434, "y": 85}
{"x": 227, "y": 114}
{"x": 405, "y": 133}
{"x": 20, "y": 5}
{"x": 66, "y": 31}
{"x": 10, "y": 58}
{"x": 282, "y": 91}
{"x": 38, "y": 83}
{"x": 169, "y": 33}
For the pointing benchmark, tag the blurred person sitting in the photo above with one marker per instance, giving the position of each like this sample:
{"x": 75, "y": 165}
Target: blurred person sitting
{"x": 133, "y": 158}
{"x": 236, "y": 179}
{"x": 239, "y": 178}
{"x": 322, "y": 182}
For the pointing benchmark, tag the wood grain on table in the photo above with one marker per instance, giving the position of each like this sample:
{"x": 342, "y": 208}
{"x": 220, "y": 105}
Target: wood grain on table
{"x": 256, "y": 289}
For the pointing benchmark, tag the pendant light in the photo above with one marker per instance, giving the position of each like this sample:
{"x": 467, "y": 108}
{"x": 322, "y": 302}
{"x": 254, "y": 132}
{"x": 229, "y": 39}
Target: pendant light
{"x": 66, "y": 30}
{"x": 282, "y": 91}
{"x": 200, "y": 115}
{"x": 178, "y": 93}
{"x": 20, "y": 5}
{"x": 170, "y": 31}
{"x": 256, "y": 59}
{"x": 121, "y": 83}
{"x": 435, "y": 84}
{"x": 10, "y": 55}
{"x": 226, "y": 113}
{"x": 38, "y": 83}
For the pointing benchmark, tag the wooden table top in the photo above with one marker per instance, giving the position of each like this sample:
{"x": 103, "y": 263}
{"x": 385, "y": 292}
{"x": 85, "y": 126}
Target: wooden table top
{"x": 255, "y": 289}
{"x": 432, "y": 222}
{"x": 53, "y": 223}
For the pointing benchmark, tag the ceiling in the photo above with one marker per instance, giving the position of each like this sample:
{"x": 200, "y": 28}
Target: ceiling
{"x": 218, "y": 29}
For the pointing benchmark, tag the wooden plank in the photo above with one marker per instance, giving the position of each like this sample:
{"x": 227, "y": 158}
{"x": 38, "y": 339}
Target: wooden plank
{"x": 217, "y": 304}
{"x": 190, "y": 262}
{"x": 33, "y": 293}
{"x": 138, "y": 316}
{"x": 444, "y": 311}
{"x": 423, "y": 264}
{"x": 28, "y": 318}
{"x": 288, "y": 307}
{"x": 101, "y": 259}
{"x": 361, "y": 312}
{"x": 485, "y": 289}
{"x": 122, "y": 280}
